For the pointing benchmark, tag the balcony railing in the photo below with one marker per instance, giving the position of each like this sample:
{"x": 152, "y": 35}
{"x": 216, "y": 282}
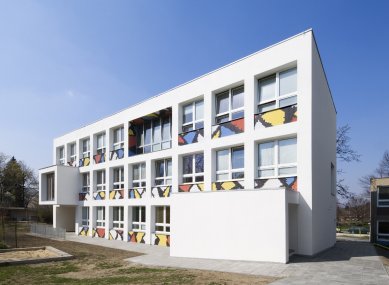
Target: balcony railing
{"x": 161, "y": 191}
{"x": 136, "y": 192}
{"x": 276, "y": 117}
{"x": 229, "y": 128}
{"x": 99, "y": 158}
{"x": 99, "y": 195}
{"x": 228, "y": 185}
{"x": 116, "y": 154}
{"x": 288, "y": 183}
{"x": 160, "y": 239}
{"x": 192, "y": 187}
{"x": 115, "y": 234}
{"x": 136, "y": 236}
{"x": 84, "y": 161}
{"x": 116, "y": 194}
{"x": 191, "y": 137}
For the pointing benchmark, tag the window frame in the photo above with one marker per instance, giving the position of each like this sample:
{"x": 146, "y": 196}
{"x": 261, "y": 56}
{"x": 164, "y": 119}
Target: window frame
{"x": 100, "y": 149}
{"x": 155, "y": 146}
{"x": 50, "y": 186}
{"x": 86, "y": 148}
{"x": 165, "y": 179}
{"x": 380, "y": 234}
{"x": 229, "y": 171}
{"x": 165, "y": 225}
{"x": 118, "y": 185}
{"x": 100, "y": 223}
{"x": 102, "y": 185}
{"x": 85, "y": 187}
{"x": 277, "y": 97}
{"x": 192, "y": 124}
{"x": 138, "y": 225}
{"x": 141, "y": 182}
{"x": 73, "y": 152}
{"x": 85, "y": 221}
{"x": 194, "y": 175}
{"x": 119, "y": 223}
{"x": 118, "y": 142}
{"x": 230, "y": 111}
{"x": 382, "y": 203}
{"x": 276, "y": 166}
{"x": 61, "y": 155}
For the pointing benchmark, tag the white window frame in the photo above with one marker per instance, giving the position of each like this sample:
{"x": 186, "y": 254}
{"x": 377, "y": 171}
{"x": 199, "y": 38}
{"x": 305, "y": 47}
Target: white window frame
{"x": 165, "y": 179}
{"x": 194, "y": 174}
{"x": 230, "y": 171}
{"x": 277, "y": 98}
{"x": 230, "y": 111}
{"x": 118, "y": 142}
{"x": 86, "y": 148}
{"x": 192, "y": 124}
{"x": 382, "y": 203}
{"x": 276, "y": 166}
{"x": 138, "y": 226}
{"x": 118, "y": 185}
{"x": 50, "y": 184}
{"x": 164, "y": 224}
{"x": 85, "y": 220}
{"x": 141, "y": 182}
{"x": 61, "y": 155}
{"x": 100, "y": 223}
{"x": 119, "y": 223}
{"x": 156, "y": 146}
{"x": 101, "y": 186}
{"x": 85, "y": 187}
{"x": 73, "y": 152}
{"x": 100, "y": 149}
{"x": 379, "y": 234}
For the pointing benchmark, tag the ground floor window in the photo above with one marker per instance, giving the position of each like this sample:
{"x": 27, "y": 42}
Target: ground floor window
{"x": 118, "y": 217}
{"x": 100, "y": 217}
{"x": 139, "y": 218}
{"x": 85, "y": 216}
{"x": 162, "y": 219}
{"x": 383, "y": 230}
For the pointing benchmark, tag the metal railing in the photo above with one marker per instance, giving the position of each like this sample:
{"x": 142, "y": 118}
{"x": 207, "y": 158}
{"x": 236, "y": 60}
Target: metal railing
{"x": 48, "y": 231}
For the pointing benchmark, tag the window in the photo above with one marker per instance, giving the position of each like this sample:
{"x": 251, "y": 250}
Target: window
{"x": 100, "y": 180}
{"x": 85, "y": 182}
{"x": 230, "y": 164}
{"x": 101, "y": 143}
{"x": 118, "y": 178}
{"x": 383, "y": 231}
{"x": 118, "y": 138}
{"x": 193, "y": 168}
{"x": 139, "y": 175}
{"x": 118, "y": 217}
{"x": 277, "y": 158}
{"x": 155, "y": 135}
{"x": 50, "y": 186}
{"x": 61, "y": 152}
{"x": 193, "y": 116}
{"x": 162, "y": 219}
{"x": 278, "y": 90}
{"x": 163, "y": 172}
{"x": 85, "y": 148}
{"x": 85, "y": 216}
{"x": 100, "y": 217}
{"x": 73, "y": 154}
{"x": 230, "y": 105}
{"x": 139, "y": 218}
{"x": 383, "y": 196}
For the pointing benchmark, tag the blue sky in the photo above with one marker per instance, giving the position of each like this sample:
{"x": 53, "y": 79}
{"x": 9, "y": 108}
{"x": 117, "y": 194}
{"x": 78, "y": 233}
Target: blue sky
{"x": 64, "y": 64}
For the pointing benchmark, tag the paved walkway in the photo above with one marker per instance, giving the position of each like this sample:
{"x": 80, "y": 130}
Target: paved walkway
{"x": 347, "y": 263}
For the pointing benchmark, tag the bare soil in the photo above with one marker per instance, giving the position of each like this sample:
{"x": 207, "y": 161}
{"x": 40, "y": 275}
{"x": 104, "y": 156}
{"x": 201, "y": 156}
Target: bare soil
{"x": 27, "y": 254}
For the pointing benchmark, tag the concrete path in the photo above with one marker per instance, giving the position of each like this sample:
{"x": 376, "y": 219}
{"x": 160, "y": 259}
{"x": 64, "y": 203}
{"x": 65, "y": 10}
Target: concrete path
{"x": 347, "y": 263}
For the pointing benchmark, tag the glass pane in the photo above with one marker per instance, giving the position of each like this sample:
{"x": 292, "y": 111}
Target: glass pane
{"x": 287, "y": 171}
{"x": 158, "y": 182}
{"x": 159, "y": 168}
{"x": 267, "y": 107}
{"x": 266, "y": 154}
{"x": 187, "y": 179}
{"x": 168, "y": 229}
{"x": 167, "y": 215}
{"x": 159, "y": 215}
{"x": 222, "y": 160}
{"x": 288, "y": 81}
{"x": 238, "y": 157}
{"x": 237, "y": 115}
{"x": 143, "y": 214}
{"x": 85, "y": 213}
{"x": 199, "y": 125}
{"x": 187, "y": 128}
{"x": 115, "y": 214}
{"x": 188, "y": 114}
{"x": 169, "y": 167}
{"x": 383, "y": 227}
{"x": 199, "y": 105}
{"x": 135, "y": 214}
{"x": 199, "y": 163}
{"x": 156, "y": 131}
{"x": 383, "y": 193}
{"x": 166, "y": 129}
{"x": 159, "y": 228}
{"x": 147, "y": 132}
{"x": 199, "y": 178}
{"x": 223, "y": 176}
{"x": 168, "y": 182}
{"x": 99, "y": 177}
{"x": 288, "y": 101}
{"x": 116, "y": 175}
{"x": 238, "y": 175}
{"x": 143, "y": 171}
{"x": 266, "y": 173}
{"x": 187, "y": 162}
{"x": 267, "y": 89}
{"x": 287, "y": 151}
{"x": 135, "y": 172}
{"x": 222, "y": 104}
{"x": 238, "y": 97}
{"x": 222, "y": 119}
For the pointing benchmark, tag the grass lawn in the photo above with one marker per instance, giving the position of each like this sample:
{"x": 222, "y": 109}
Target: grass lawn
{"x": 99, "y": 265}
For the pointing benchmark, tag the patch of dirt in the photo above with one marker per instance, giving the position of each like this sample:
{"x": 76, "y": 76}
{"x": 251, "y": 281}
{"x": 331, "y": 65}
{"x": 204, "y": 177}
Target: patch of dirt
{"x": 26, "y": 254}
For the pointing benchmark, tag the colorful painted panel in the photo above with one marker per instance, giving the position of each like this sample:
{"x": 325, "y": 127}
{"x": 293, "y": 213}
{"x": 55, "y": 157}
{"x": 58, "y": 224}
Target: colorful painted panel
{"x": 83, "y": 231}
{"x": 191, "y": 137}
{"x": 116, "y": 154}
{"x": 98, "y": 232}
{"x": 161, "y": 191}
{"x": 99, "y": 195}
{"x": 136, "y": 193}
{"x": 115, "y": 234}
{"x": 161, "y": 239}
{"x": 83, "y": 196}
{"x": 195, "y": 187}
{"x": 276, "y": 117}
{"x": 228, "y": 128}
{"x": 116, "y": 194}
{"x": 132, "y": 131}
{"x": 84, "y": 161}
{"x": 72, "y": 163}
{"x": 99, "y": 158}
{"x": 137, "y": 237}
{"x": 228, "y": 185}
{"x": 288, "y": 183}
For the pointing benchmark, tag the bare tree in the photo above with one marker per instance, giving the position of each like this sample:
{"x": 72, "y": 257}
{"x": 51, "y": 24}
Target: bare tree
{"x": 381, "y": 171}
{"x": 359, "y": 209}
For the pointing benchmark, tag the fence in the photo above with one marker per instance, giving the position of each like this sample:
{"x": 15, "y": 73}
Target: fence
{"x": 48, "y": 231}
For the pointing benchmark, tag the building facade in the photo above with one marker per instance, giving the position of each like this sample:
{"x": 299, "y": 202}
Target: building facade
{"x": 237, "y": 164}
{"x": 379, "y": 210}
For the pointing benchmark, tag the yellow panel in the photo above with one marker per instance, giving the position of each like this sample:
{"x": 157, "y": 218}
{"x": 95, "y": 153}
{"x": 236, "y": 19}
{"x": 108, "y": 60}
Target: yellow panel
{"x": 162, "y": 240}
{"x": 166, "y": 192}
{"x": 214, "y": 187}
{"x": 201, "y": 186}
{"x": 276, "y": 117}
{"x": 139, "y": 236}
{"x": 136, "y": 194}
{"x": 228, "y": 185}
{"x": 216, "y": 135}
{"x": 112, "y": 195}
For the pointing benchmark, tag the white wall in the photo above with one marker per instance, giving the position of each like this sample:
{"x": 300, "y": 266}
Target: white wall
{"x": 64, "y": 217}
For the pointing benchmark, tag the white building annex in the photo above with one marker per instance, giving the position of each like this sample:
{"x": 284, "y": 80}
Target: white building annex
{"x": 237, "y": 164}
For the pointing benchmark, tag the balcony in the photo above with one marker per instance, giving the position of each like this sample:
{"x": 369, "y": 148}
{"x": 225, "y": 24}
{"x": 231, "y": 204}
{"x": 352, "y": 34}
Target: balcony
{"x": 98, "y": 232}
{"x": 136, "y": 236}
{"x": 287, "y": 183}
{"x": 160, "y": 239}
{"x": 136, "y": 193}
{"x": 116, "y": 154}
{"x": 192, "y": 187}
{"x": 99, "y": 158}
{"x": 115, "y": 234}
{"x": 99, "y": 195}
{"x": 191, "y": 137}
{"x": 116, "y": 194}
{"x": 161, "y": 191}
{"x": 228, "y": 185}
{"x": 84, "y": 161}
{"x": 276, "y": 117}
{"x": 229, "y": 128}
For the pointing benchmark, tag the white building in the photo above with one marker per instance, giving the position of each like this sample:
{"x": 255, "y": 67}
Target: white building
{"x": 210, "y": 167}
